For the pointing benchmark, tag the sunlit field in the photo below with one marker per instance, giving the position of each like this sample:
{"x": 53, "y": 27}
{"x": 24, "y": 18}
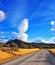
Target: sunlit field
{"x": 52, "y": 50}
{"x": 6, "y": 56}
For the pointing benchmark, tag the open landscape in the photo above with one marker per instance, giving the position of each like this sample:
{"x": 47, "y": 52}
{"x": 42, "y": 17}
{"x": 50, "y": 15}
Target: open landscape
{"x": 27, "y": 32}
{"x": 16, "y": 49}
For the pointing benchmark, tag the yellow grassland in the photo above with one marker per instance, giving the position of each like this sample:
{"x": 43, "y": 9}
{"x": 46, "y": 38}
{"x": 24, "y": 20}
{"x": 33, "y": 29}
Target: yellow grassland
{"x": 5, "y": 56}
{"x": 52, "y": 50}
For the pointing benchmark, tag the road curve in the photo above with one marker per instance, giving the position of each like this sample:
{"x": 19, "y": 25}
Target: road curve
{"x": 42, "y": 57}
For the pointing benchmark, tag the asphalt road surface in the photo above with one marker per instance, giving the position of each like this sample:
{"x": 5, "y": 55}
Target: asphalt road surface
{"x": 42, "y": 57}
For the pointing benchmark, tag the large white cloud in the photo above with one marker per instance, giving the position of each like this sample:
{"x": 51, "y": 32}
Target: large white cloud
{"x": 23, "y": 27}
{"x": 2, "y": 15}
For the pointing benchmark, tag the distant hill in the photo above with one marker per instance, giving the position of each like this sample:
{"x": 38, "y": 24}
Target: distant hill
{"x": 15, "y": 41}
{"x": 21, "y": 44}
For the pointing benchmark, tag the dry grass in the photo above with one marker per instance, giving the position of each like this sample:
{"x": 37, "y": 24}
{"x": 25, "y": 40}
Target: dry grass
{"x": 24, "y": 51}
{"x": 5, "y": 56}
{"x": 52, "y": 50}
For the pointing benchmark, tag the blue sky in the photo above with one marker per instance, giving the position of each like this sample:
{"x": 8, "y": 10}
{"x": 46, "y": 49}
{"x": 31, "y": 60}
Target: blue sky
{"x": 38, "y": 12}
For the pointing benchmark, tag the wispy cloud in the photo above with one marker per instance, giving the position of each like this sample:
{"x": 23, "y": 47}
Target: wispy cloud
{"x": 2, "y": 15}
{"x": 53, "y": 26}
{"x": 50, "y": 40}
{"x": 3, "y": 39}
{"x": 1, "y": 32}
{"x": 52, "y": 29}
{"x": 14, "y": 33}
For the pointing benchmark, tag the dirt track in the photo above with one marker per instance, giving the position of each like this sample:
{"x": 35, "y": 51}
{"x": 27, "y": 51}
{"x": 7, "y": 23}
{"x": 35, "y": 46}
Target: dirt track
{"x": 42, "y": 57}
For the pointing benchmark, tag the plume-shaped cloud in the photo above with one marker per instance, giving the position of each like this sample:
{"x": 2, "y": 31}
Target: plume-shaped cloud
{"x": 23, "y": 27}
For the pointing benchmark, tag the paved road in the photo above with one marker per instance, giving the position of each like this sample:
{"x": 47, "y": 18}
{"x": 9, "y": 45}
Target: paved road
{"x": 42, "y": 57}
